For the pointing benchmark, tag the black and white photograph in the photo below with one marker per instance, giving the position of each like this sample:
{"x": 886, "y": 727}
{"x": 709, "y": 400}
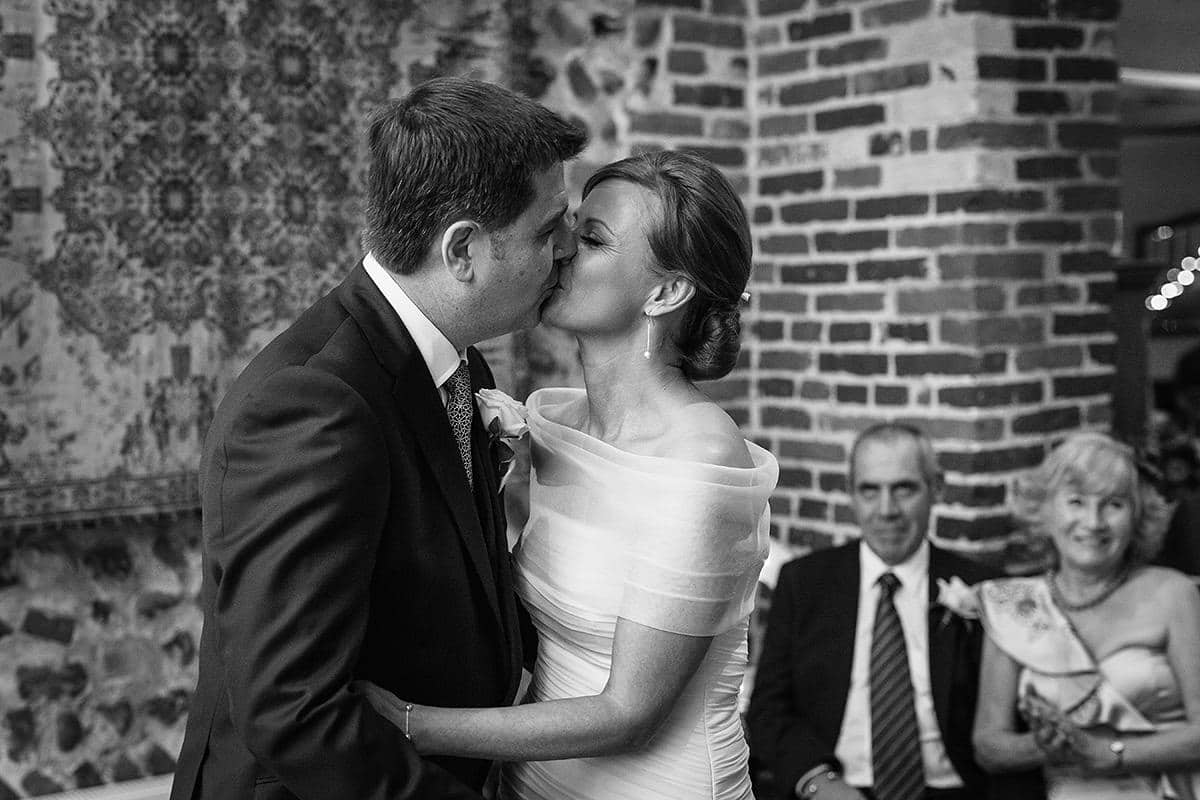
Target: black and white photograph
{"x": 600, "y": 399}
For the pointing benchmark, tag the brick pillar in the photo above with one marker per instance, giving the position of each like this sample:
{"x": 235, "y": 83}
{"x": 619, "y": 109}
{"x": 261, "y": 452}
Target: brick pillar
{"x": 639, "y": 75}
{"x": 699, "y": 97}
{"x": 935, "y": 202}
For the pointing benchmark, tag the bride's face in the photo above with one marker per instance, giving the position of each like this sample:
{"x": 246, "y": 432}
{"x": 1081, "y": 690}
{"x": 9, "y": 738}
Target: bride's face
{"x": 603, "y": 289}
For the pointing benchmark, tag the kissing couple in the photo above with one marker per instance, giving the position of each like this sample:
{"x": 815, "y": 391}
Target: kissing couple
{"x": 365, "y": 626}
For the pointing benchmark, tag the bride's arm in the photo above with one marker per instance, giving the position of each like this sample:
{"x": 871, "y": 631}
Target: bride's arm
{"x": 650, "y": 669}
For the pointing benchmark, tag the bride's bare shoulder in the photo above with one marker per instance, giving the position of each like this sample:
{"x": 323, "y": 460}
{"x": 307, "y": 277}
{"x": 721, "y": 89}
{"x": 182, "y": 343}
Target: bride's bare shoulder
{"x": 704, "y": 433}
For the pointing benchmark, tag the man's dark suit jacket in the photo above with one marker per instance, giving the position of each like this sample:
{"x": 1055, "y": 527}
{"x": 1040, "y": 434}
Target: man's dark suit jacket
{"x": 803, "y": 676}
{"x": 1181, "y": 545}
{"x": 342, "y": 541}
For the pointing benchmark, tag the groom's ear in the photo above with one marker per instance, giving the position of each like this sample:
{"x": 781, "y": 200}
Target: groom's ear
{"x": 459, "y": 241}
{"x": 670, "y": 295}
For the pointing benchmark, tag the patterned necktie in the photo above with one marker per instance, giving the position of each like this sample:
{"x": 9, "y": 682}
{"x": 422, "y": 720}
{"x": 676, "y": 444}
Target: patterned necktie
{"x": 895, "y": 738}
{"x": 461, "y": 411}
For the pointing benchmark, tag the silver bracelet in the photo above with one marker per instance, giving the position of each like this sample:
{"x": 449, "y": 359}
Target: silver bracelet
{"x": 408, "y": 707}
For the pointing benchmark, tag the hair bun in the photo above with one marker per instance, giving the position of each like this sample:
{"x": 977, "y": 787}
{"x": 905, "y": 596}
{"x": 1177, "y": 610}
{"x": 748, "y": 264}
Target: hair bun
{"x": 713, "y": 350}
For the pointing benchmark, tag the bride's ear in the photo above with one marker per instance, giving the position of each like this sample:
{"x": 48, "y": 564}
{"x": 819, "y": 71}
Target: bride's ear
{"x": 669, "y": 295}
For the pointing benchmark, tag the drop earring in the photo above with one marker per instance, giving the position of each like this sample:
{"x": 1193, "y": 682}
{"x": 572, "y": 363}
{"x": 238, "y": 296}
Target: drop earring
{"x": 649, "y": 327}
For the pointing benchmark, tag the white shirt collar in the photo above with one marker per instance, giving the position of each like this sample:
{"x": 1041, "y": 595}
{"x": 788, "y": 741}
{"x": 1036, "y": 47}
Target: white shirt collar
{"x": 439, "y": 355}
{"x": 910, "y": 571}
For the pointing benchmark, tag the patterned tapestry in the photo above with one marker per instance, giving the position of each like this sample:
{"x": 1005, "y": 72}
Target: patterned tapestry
{"x": 179, "y": 178}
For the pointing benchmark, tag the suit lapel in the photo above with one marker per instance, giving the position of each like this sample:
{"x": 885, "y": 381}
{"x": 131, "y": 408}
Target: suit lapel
{"x": 842, "y": 597}
{"x": 420, "y": 404}
{"x": 418, "y": 400}
{"x": 943, "y": 642}
{"x": 487, "y": 487}
{"x": 491, "y": 509}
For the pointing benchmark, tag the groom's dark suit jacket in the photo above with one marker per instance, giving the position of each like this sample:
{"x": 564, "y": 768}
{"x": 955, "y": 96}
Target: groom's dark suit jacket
{"x": 803, "y": 677}
{"x": 342, "y": 541}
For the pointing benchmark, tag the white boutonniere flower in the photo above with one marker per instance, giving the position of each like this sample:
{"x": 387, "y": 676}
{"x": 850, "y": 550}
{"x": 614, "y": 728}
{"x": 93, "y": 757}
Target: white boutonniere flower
{"x": 503, "y": 417}
{"x": 957, "y": 598}
{"x": 505, "y": 420}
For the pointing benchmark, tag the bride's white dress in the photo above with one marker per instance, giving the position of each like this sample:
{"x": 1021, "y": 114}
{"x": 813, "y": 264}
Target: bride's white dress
{"x": 670, "y": 544}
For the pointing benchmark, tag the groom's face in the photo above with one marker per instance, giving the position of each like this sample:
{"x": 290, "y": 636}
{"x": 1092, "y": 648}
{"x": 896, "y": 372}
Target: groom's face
{"x": 522, "y": 270}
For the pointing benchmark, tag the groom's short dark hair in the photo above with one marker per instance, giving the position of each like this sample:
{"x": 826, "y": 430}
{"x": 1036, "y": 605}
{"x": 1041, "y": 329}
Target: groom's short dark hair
{"x": 455, "y": 148}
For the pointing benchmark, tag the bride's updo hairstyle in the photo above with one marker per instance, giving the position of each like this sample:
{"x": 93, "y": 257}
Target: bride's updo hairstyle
{"x": 703, "y": 234}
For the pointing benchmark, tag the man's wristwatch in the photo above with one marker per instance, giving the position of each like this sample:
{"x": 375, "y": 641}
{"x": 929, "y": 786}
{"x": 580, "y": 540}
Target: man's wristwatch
{"x": 1118, "y": 749}
{"x": 813, "y": 784}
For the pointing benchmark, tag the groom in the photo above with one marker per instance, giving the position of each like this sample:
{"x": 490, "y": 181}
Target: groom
{"x": 351, "y": 521}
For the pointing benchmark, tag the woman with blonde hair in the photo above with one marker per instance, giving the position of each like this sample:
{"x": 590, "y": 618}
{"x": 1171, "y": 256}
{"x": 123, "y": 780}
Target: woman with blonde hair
{"x": 1100, "y": 657}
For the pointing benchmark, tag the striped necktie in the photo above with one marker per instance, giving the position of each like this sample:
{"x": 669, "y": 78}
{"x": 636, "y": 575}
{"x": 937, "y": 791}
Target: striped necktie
{"x": 895, "y": 737}
{"x": 460, "y": 409}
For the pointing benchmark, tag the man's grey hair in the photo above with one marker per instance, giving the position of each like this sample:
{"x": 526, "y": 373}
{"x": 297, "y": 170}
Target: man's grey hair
{"x": 890, "y": 432}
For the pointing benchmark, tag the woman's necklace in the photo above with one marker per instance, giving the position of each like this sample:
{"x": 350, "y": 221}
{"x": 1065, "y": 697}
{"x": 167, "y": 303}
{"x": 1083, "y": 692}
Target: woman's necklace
{"x": 1109, "y": 588}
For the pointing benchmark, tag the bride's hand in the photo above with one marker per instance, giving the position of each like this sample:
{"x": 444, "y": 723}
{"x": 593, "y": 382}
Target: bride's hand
{"x": 386, "y": 703}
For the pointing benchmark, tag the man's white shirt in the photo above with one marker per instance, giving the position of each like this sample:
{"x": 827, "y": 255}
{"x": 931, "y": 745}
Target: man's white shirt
{"x": 912, "y": 605}
{"x": 439, "y": 355}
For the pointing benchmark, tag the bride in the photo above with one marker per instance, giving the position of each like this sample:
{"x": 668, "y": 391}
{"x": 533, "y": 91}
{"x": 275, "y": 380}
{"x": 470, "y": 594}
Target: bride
{"x": 648, "y": 513}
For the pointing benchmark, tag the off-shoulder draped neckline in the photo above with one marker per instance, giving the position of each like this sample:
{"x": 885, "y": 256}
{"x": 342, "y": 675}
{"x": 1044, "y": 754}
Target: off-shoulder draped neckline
{"x": 548, "y": 407}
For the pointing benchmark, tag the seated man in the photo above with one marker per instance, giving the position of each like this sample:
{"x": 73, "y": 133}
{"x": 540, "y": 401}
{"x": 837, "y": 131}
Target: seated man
{"x": 866, "y": 686}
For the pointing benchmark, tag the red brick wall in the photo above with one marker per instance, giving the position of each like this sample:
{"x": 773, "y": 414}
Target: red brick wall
{"x": 934, "y": 192}
{"x": 697, "y": 57}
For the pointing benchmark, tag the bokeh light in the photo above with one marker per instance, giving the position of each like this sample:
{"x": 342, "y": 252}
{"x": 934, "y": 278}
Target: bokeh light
{"x": 1178, "y": 279}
